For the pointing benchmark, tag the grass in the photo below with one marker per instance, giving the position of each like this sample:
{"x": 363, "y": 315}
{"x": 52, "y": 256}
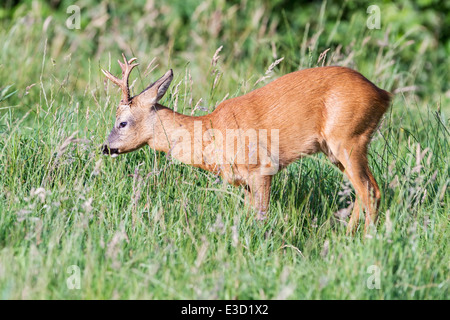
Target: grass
{"x": 143, "y": 226}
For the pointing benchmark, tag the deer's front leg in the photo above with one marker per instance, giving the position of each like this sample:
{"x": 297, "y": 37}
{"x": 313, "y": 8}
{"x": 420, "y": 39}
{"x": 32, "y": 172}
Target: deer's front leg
{"x": 257, "y": 194}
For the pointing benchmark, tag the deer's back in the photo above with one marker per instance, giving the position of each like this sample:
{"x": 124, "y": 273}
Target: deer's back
{"x": 307, "y": 107}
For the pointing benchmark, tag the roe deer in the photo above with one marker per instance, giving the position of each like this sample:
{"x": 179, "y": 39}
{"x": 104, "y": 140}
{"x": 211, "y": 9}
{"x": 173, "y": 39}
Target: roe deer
{"x": 246, "y": 139}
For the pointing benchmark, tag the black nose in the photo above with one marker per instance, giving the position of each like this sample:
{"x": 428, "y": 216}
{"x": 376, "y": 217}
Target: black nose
{"x": 106, "y": 150}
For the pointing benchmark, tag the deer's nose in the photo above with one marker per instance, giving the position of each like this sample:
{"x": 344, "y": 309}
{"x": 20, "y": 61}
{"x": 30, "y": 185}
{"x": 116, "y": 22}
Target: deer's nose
{"x": 106, "y": 150}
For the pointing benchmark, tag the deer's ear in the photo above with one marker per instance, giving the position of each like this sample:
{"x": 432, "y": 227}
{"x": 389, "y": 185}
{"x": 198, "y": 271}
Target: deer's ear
{"x": 156, "y": 90}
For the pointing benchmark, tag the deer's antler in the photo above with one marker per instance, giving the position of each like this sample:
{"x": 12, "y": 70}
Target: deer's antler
{"x": 123, "y": 83}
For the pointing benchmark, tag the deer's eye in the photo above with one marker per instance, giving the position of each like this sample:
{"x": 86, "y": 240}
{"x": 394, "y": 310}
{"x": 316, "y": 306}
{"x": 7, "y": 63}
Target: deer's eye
{"x": 122, "y": 125}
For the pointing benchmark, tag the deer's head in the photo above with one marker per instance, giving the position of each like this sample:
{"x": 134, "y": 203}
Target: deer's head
{"x": 134, "y": 115}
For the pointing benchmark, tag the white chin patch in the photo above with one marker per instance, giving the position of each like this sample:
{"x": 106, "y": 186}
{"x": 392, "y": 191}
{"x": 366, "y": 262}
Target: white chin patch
{"x": 114, "y": 155}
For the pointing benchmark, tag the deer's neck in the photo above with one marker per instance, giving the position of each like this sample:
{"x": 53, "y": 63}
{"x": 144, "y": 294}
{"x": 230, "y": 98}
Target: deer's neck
{"x": 180, "y": 136}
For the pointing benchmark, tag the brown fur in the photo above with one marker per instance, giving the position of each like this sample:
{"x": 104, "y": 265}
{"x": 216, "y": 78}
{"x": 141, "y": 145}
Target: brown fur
{"x": 333, "y": 110}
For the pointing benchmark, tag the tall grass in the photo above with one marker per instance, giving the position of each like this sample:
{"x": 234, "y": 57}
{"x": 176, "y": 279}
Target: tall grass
{"x": 145, "y": 226}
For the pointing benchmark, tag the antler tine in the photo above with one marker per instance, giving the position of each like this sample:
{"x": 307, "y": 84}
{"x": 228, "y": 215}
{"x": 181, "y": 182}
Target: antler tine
{"x": 112, "y": 78}
{"x": 123, "y": 83}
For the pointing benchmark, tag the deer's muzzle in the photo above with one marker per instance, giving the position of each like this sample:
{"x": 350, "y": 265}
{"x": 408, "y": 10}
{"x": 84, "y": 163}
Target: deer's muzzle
{"x": 111, "y": 152}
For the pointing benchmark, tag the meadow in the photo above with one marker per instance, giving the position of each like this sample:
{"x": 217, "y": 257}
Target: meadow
{"x": 75, "y": 224}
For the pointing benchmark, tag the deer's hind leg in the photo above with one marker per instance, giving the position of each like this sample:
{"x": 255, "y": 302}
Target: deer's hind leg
{"x": 351, "y": 159}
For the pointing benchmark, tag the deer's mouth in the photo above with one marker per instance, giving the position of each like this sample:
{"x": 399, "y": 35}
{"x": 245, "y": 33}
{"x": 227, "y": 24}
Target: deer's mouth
{"x": 110, "y": 151}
